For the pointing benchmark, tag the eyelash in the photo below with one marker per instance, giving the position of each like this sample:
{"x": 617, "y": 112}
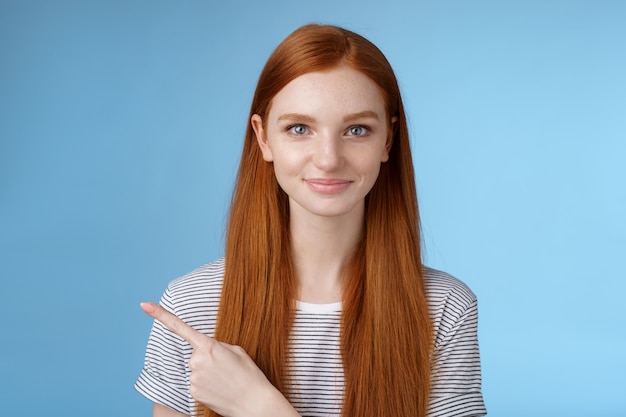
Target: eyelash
{"x": 292, "y": 128}
{"x": 366, "y": 129}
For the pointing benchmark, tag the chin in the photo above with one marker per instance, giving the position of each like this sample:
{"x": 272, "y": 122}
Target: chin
{"x": 334, "y": 211}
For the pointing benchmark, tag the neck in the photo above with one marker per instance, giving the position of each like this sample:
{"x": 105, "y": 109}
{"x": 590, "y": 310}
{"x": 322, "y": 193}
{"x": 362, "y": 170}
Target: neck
{"x": 321, "y": 249}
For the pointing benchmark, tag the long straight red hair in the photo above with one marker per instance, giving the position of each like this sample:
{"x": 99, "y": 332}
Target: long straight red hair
{"x": 386, "y": 334}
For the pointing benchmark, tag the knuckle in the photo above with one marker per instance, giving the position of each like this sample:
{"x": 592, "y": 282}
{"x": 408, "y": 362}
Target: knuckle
{"x": 193, "y": 391}
{"x": 193, "y": 364}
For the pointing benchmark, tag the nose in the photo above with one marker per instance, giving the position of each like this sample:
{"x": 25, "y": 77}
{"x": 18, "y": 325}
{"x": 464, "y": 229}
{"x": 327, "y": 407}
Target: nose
{"x": 328, "y": 154}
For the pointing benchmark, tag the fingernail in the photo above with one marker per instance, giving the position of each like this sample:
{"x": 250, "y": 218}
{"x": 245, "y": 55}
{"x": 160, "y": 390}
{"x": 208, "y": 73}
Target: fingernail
{"x": 147, "y": 307}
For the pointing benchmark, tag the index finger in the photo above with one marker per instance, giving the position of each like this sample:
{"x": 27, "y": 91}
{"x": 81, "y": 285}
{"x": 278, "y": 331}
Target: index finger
{"x": 176, "y": 325}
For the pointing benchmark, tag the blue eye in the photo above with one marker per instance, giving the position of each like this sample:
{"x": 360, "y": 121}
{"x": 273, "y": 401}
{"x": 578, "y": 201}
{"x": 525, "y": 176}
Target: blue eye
{"x": 298, "y": 129}
{"x": 357, "y": 130}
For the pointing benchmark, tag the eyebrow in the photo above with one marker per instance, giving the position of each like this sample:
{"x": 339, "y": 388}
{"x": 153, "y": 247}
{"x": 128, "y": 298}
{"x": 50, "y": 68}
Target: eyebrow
{"x": 296, "y": 116}
{"x": 367, "y": 114}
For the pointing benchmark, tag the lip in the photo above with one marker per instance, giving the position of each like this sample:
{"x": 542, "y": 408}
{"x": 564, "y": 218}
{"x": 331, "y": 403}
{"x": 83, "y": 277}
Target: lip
{"x": 328, "y": 185}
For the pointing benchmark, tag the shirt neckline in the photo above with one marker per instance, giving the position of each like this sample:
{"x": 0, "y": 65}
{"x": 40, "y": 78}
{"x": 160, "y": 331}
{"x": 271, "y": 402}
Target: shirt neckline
{"x": 318, "y": 308}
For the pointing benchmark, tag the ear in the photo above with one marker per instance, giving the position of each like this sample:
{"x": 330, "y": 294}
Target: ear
{"x": 390, "y": 134}
{"x": 261, "y": 137}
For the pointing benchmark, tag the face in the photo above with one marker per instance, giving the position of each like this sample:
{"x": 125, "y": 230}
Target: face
{"x": 326, "y": 134}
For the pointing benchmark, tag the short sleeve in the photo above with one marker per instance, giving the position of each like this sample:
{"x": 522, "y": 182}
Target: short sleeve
{"x": 164, "y": 378}
{"x": 456, "y": 374}
{"x": 194, "y": 298}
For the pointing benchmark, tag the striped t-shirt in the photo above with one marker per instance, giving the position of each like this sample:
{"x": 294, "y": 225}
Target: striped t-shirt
{"x": 317, "y": 374}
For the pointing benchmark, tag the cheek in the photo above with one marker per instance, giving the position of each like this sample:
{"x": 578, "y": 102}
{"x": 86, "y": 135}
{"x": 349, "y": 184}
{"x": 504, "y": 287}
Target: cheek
{"x": 373, "y": 172}
{"x": 289, "y": 156}
{"x": 369, "y": 164}
{"x": 285, "y": 166}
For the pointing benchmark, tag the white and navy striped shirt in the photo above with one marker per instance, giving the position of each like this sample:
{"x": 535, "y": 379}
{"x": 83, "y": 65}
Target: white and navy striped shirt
{"x": 316, "y": 367}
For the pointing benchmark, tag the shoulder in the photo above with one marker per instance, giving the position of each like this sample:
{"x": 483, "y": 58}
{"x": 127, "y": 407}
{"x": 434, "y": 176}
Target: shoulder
{"x": 442, "y": 288}
{"x": 452, "y": 304}
{"x": 195, "y": 296}
{"x": 207, "y": 276}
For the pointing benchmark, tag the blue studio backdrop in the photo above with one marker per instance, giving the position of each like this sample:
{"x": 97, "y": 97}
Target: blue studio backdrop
{"x": 121, "y": 124}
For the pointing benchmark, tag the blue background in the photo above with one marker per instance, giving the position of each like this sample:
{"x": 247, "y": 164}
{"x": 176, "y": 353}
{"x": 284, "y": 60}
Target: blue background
{"x": 120, "y": 130}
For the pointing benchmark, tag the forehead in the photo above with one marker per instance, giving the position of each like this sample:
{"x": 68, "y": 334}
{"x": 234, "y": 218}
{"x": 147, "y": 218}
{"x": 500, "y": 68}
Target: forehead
{"x": 338, "y": 90}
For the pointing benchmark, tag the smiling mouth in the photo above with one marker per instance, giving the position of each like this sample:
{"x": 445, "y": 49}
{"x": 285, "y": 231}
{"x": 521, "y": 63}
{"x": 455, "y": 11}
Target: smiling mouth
{"x": 328, "y": 185}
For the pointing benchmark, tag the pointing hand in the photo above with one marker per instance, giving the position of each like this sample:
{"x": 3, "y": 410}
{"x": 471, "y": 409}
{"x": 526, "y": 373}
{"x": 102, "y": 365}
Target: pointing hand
{"x": 223, "y": 377}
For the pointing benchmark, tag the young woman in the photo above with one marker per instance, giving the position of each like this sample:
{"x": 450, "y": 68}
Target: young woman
{"x": 321, "y": 306}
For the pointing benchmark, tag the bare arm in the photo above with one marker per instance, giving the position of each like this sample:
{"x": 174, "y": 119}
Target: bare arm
{"x": 162, "y": 411}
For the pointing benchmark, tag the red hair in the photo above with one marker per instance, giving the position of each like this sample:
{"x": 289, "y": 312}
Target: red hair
{"x": 386, "y": 335}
